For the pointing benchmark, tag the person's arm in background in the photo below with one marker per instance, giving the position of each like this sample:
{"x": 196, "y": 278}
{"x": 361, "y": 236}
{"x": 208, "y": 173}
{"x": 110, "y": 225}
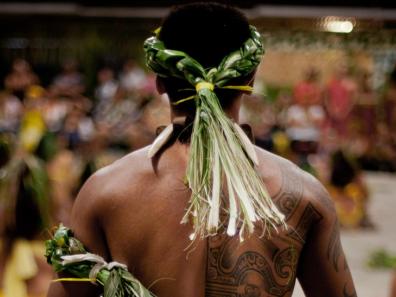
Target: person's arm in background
{"x": 86, "y": 227}
{"x": 393, "y": 285}
{"x": 323, "y": 270}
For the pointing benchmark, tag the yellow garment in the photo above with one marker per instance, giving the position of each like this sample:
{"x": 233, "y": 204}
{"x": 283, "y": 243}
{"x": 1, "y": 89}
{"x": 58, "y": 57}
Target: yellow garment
{"x": 281, "y": 142}
{"x": 349, "y": 204}
{"x": 2, "y": 295}
{"x": 35, "y": 92}
{"x": 21, "y": 266}
{"x": 32, "y": 129}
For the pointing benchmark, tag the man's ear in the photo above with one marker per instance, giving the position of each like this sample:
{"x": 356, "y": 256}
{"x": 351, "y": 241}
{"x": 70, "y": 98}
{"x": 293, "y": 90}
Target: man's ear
{"x": 160, "y": 85}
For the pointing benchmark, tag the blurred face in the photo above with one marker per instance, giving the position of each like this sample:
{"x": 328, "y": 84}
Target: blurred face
{"x": 70, "y": 66}
{"x": 312, "y": 75}
{"x": 129, "y": 65}
{"x": 20, "y": 65}
{"x": 105, "y": 75}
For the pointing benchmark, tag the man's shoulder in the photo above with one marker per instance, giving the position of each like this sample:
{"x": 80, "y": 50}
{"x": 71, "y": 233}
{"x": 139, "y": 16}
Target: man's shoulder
{"x": 116, "y": 180}
{"x": 134, "y": 163}
{"x": 108, "y": 191}
{"x": 294, "y": 186}
{"x": 272, "y": 166}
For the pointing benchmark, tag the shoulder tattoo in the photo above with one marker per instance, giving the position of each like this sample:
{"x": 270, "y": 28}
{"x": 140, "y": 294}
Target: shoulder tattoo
{"x": 320, "y": 194}
{"x": 309, "y": 216}
{"x": 291, "y": 192}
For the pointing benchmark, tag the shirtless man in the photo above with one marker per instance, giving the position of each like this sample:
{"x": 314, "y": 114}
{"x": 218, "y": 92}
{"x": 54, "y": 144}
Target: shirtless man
{"x": 130, "y": 213}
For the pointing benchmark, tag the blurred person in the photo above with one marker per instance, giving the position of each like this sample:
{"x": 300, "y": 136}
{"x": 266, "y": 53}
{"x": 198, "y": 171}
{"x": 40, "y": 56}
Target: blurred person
{"x": 308, "y": 90}
{"x": 11, "y": 110}
{"x": 388, "y": 125}
{"x": 390, "y": 102}
{"x": 64, "y": 170}
{"x": 349, "y": 191}
{"x": 365, "y": 110}
{"x": 105, "y": 91}
{"x": 70, "y": 82}
{"x": 33, "y": 126}
{"x": 280, "y": 139}
{"x": 385, "y": 147}
{"x": 78, "y": 127}
{"x": 20, "y": 78}
{"x": 130, "y": 211}
{"x": 149, "y": 89}
{"x": 121, "y": 120}
{"x": 305, "y": 119}
{"x": 54, "y": 111}
{"x": 132, "y": 77}
{"x": 155, "y": 114}
{"x": 261, "y": 117}
{"x": 24, "y": 196}
{"x": 340, "y": 97}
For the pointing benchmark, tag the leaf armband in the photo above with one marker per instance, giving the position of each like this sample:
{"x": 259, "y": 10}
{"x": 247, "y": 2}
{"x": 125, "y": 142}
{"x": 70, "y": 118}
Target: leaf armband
{"x": 67, "y": 254}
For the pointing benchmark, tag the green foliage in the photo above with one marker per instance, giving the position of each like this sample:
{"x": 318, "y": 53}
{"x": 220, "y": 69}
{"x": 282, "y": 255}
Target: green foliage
{"x": 47, "y": 147}
{"x": 382, "y": 259}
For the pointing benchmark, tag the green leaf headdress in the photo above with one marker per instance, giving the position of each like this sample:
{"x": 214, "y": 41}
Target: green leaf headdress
{"x": 221, "y": 158}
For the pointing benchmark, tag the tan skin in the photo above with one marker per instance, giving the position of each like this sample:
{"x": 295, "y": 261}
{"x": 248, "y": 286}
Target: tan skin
{"x": 128, "y": 213}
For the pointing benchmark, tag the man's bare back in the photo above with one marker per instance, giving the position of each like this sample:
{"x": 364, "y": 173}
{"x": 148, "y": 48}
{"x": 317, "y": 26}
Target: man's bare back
{"x": 130, "y": 213}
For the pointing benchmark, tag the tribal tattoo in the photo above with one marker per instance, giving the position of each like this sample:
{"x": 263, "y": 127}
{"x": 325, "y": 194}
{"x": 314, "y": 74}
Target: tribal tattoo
{"x": 334, "y": 249}
{"x": 320, "y": 193}
{"x": 270, "y": 269}
{"x": 309, "y": 216}
{"x": 291, "y": 192}
{"x": 251, "y": 273}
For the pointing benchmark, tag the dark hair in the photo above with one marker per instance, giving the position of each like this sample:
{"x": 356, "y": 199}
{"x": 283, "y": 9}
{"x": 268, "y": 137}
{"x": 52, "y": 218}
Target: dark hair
{"x": 207, "y": 32}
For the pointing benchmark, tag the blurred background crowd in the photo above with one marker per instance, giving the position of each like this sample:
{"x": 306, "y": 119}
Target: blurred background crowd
{"x": 75, "y": 96}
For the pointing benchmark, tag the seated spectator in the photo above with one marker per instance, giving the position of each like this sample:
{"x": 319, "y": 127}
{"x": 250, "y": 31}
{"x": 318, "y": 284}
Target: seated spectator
{"x": 20, "y": 78}
{"x": 132, "y": 77}
{"x": 308, "y": 90}
{"x": 70, "y": 82}
{"x": 11, "y": 110}
{"x": 349, "y": 191}
{"x": 105, "y": 91}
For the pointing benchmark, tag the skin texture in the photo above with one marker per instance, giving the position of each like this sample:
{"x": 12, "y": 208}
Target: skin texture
{"x": 128, "y": 213}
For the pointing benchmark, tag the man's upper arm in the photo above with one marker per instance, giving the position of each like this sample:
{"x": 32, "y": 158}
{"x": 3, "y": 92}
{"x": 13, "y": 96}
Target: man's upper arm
{"x": 323, "y": 269}
{"x": 87, "y": 228}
